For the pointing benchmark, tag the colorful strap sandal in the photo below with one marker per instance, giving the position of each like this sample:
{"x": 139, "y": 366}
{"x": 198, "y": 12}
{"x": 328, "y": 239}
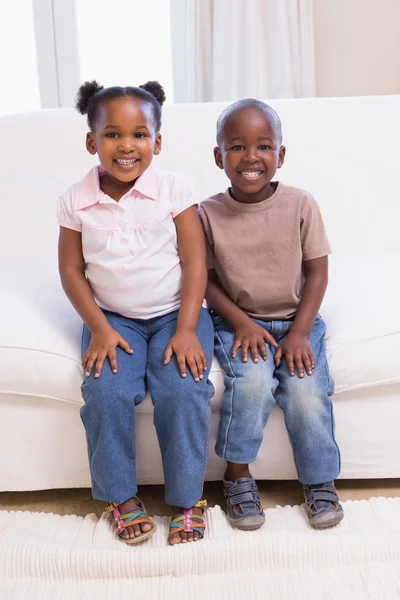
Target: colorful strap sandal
{"x": 188, "y": 521}
{"x": 136, "y": 516}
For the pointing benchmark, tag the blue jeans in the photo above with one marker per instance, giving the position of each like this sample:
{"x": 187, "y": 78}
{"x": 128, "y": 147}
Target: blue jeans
{"x": 181, "y": 411}
{"x": 252, "y": 389}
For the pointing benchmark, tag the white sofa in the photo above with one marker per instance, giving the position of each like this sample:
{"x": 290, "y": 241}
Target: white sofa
{"x": 345, "y": 151}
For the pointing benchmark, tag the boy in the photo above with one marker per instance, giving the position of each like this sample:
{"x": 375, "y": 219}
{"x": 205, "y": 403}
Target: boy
{"x": 268, "y": 272}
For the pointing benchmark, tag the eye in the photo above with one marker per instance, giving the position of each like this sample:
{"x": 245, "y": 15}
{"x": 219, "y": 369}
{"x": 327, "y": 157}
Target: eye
{"x": 237, "y": 148}
{"x": 140, "y": 135}
{"x": 265, "y": 147}
{"x": 112, "y": 135}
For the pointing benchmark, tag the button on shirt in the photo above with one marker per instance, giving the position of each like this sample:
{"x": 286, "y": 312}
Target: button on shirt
{"x": 130, "y": 247}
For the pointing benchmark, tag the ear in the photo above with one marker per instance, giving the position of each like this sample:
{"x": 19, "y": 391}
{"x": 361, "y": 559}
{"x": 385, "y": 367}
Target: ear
{"x": 218, "y": 157}
{"x": 90, "y": 143}
{"x": 157, "y": 144}
{"x": 282, "y": 154}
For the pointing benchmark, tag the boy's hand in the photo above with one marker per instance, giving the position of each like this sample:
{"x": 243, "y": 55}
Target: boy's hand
{"x": 297, "y": 350}
{"x": 252, "y": 336}
{"x": 187, "y": 348}
{"x": 103, "y": 344}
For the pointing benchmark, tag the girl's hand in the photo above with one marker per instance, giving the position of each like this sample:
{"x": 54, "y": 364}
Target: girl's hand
{"x": 297, "y": 350}
{"x": 103, "y": 344}
{"x": 187, "y": 348}
{"x": 253, "y": 336}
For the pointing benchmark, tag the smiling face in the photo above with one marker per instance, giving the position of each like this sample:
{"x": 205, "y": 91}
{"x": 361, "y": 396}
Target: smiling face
{"x": 250, "y": 152}
{"x": 124, "y": 138}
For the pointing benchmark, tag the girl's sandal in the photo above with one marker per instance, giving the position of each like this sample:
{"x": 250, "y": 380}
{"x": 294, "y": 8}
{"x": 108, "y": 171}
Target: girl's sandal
{"x": 136, "y": 516}
{"x": 188, "y": 522}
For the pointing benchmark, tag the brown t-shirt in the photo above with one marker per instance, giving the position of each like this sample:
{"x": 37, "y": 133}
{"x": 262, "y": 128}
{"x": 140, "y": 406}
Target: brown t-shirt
{"x": 257, "y": 250}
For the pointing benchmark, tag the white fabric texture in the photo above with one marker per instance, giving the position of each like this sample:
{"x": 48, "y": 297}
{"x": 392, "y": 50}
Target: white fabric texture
{"x": 42, "y": 441}
{"x": 235, "y": 49}
{"x": 59, "y": 558}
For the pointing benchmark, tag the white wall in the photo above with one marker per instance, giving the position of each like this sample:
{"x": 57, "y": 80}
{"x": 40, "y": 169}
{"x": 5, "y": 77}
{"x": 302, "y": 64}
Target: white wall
{"x": 357, "y": 46}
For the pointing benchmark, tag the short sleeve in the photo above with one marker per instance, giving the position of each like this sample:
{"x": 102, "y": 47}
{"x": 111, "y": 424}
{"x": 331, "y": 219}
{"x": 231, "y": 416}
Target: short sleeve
{"x": 208, "y": 235}
{"x": 184, "y": 196}
{"x": 314, "y": 241}
{"x": 66, "y": 217}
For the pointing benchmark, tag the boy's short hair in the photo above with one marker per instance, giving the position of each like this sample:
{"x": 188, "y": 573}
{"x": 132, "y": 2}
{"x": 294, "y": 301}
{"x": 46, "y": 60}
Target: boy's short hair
{"x": 269, "y": 112}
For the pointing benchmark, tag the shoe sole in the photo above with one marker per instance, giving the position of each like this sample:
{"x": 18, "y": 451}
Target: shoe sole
{"x": 247, "y": 523}
{"x": 328, "y": 519}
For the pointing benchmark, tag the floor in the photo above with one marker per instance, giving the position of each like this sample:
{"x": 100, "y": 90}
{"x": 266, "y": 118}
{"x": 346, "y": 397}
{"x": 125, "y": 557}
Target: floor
{"x": 80, "y": 502}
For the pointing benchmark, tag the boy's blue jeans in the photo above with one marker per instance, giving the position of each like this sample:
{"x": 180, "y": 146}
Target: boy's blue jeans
{"x": 181, "y": 411}
{"x": 252, "y": 389}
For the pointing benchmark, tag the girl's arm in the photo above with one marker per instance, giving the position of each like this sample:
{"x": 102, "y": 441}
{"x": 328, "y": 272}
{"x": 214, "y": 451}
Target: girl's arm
{"x": 71, "y": 266}
{"x": 192, "y": 253}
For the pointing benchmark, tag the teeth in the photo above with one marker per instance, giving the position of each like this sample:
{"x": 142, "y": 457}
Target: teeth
{"x": 125, "y": 161}
{"x": 251, "y": 174}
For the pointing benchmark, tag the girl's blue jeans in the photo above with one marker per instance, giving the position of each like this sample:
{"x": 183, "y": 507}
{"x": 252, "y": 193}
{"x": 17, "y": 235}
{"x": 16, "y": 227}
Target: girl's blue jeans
{"x": 252, "y": 389}
{"x": 181, "y": 411}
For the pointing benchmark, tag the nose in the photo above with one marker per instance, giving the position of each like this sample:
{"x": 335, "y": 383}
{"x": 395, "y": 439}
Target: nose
{"x": 251, "y": 154}
{"x": 127, "y": 144}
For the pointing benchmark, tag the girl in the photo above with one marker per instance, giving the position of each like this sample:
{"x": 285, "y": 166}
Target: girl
{"x": 132, "y": 263}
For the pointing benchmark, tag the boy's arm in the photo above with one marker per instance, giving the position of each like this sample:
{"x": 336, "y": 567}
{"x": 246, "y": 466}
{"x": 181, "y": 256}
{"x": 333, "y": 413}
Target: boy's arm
{"x": 296, "y": 348}
{"x": 249, "y": 335}
{"x": 192, "y": 254}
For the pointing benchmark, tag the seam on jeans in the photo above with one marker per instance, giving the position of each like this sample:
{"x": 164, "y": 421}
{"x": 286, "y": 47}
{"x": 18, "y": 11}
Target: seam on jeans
{"x": 89, "y": 451}
{"x": 278, "y": 389}
{"x": 231, "y": 374}
{"x": 329, "y": 378}
{"x": 207, "y": 444}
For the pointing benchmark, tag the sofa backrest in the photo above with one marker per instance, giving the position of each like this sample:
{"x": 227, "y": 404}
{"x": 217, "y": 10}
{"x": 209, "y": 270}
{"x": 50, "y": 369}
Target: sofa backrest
{"x": 345, "y": 151}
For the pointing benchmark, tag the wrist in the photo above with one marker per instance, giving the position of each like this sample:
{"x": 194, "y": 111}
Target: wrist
{"x": 241, "y": 321}
{"x": 185, "y": 329}
{"x": 99, "y": 328}
{"x": 300, "y": 331}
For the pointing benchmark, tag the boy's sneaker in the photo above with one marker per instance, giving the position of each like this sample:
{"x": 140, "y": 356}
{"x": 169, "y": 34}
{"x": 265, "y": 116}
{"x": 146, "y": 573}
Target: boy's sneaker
{"x": 243, "y": 504}
{"x": 322, "y": 505}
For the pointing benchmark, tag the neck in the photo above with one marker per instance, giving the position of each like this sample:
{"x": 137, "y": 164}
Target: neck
{"x": 263, "y": 194}
{"x": 114, "y": 187}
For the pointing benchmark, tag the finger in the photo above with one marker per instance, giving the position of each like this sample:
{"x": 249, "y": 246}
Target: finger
{"x": 204, "y": 360}
{"x": 236, "y": 345}
{"x": 112, "y": 357}
{"x": 271, "y": 340}
{"x": 193, "y": 367}
{"x": 99, "y": 364}
{"x": 124, "y": 345}
{"x": 181, "y": 364}
{"x": 278, "y": 357}
{"x": 290, "y": 363}
{"x": 307, "y": 363}
{"x": 263, "y": 349}
{"x": 299, "y": 365}
{"x": 90, "y": 363}
{"x": 254, "y": 351}
{"x": 200, "y": 368}
{"x": 245, "y": 350}
{"x": 312, "y": 358}
{"x": 86, "y": 358}
{"x": 167, "y": 354}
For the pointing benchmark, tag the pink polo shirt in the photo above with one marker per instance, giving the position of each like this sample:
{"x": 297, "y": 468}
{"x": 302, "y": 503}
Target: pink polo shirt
{"x": 130, "y": 247}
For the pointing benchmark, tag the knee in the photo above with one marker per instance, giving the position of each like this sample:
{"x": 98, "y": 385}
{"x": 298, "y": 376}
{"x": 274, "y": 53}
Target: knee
{"x": 105, "y": 394}
{"x": 250, "y": 379}
{"x": 302, "y": 394}
{"x": 181, "y": 392}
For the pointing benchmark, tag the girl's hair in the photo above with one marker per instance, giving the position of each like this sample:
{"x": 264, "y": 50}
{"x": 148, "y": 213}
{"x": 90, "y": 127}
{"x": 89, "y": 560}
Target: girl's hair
{"x": 91, "y": 95}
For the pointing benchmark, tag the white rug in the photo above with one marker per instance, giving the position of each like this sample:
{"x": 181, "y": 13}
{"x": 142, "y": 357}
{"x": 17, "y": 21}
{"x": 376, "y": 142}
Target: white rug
{"x": 49, "y": 557}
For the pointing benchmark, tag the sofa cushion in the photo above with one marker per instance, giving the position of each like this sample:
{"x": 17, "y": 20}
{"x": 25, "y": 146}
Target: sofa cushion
{"x": 40, "y": 338}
